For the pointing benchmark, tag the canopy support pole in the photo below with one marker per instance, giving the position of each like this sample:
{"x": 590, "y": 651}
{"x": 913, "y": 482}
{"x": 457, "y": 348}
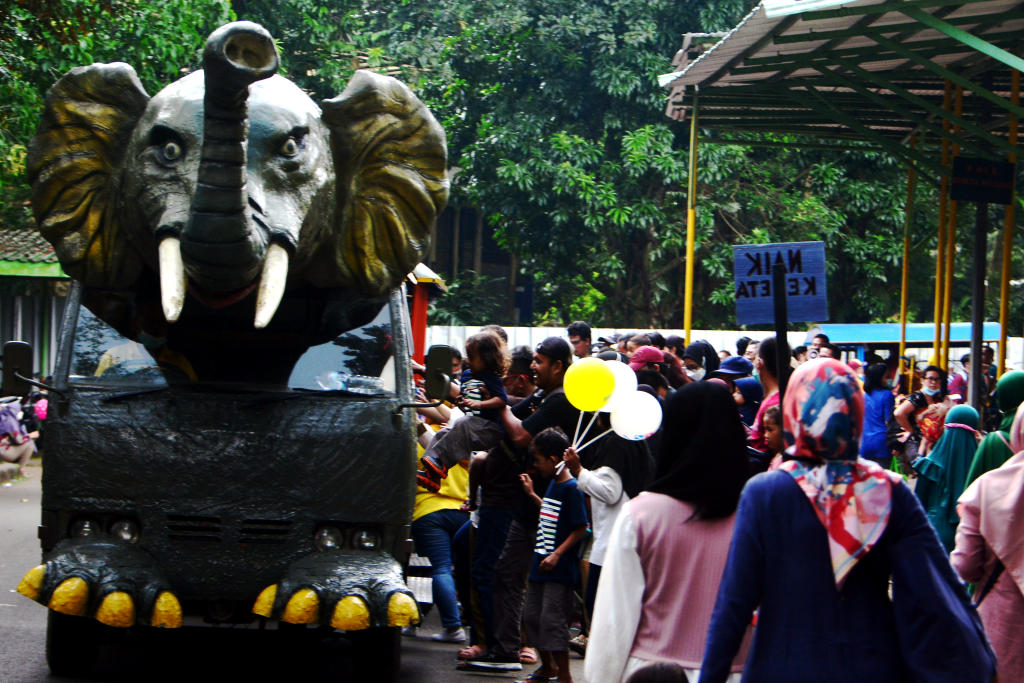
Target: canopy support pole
{"x": 1004, "y": 286}
{"x": 905, "y": 279}
{"x": 951, "y": 245}
{"x": 940, "y": 251}
{"x": 691, "y": 220}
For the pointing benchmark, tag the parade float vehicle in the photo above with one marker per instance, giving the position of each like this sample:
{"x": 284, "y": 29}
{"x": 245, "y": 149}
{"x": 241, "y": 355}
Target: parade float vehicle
{"x": 230, "y": 439}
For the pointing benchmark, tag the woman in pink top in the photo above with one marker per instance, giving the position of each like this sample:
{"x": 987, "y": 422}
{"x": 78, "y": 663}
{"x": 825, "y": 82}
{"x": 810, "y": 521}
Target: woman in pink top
{"x": 988, "y": 540}
{"x": 669, "y": 545}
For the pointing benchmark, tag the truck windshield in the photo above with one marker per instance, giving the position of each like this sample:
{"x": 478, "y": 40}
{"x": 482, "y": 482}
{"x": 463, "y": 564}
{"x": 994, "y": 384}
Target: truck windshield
{"x": 357, "y": 361}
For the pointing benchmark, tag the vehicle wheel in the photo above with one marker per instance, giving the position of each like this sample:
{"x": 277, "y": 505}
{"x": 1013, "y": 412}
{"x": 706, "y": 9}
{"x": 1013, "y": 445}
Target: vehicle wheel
{"x": 72, "y": 645}
{"x": 376, "y": 654}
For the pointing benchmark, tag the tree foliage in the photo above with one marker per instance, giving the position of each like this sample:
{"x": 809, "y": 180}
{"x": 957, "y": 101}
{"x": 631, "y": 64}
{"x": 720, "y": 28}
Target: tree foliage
{"x": 41, "y": 40}
{"x": 556, "y": 130}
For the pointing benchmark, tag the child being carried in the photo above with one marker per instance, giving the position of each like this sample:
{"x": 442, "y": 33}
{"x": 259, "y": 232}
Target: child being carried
{"x": 482, "y": 397}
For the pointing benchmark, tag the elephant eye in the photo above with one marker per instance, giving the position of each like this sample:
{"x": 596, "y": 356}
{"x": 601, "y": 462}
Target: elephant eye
{"x": 289, "y": 147}
{"x": 171, "y": 151}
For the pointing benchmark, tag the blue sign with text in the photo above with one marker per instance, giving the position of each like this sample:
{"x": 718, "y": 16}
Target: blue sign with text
{"x": 806, "y": 299}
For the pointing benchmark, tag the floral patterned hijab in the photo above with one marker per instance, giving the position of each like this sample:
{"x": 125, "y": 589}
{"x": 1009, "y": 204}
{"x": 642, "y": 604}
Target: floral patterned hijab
{"x": 822, "y": 414}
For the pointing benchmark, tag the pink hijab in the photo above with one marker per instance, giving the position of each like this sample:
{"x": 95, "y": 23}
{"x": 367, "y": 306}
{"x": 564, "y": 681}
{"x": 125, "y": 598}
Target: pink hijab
{"x": 999, "y": 495}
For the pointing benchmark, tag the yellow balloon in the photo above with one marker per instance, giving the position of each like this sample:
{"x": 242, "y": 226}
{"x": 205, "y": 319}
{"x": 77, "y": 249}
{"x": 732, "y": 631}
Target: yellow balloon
{"x": 589, "y": 383}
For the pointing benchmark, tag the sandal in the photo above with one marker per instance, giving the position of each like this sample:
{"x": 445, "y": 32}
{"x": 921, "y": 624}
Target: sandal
{"x": 537, "y": 677}
{"x": 472, "y": 652}
{"x": 527, "y": 655}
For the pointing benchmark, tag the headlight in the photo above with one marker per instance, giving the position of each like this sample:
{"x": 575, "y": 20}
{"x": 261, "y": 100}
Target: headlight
{"x": 366, "y": 540}
{"x": 328, "y": 538}
{"x": 83, "y": 526}
{"x": 126, "y": 530}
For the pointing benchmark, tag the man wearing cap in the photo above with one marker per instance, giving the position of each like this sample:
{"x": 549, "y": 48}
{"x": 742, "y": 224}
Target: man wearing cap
{"x": 505, "y": 512}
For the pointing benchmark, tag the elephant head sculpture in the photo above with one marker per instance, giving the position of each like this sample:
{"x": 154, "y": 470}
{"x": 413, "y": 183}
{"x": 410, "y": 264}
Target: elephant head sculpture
{"x": 231, "y": 186}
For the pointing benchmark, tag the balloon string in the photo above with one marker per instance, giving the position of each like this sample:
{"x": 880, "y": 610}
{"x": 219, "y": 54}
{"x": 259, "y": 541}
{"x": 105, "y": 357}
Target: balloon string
{"x": 579, "y": 421}
{"x": 592, "y": 440}
{"x": 585, "y": 431}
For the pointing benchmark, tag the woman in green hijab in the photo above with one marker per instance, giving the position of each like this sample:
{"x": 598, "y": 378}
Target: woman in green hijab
{"x": 995, "y": 449}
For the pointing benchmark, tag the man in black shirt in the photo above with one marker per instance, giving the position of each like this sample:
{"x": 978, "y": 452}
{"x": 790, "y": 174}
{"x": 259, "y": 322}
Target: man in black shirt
{"x": 499, "y": 583}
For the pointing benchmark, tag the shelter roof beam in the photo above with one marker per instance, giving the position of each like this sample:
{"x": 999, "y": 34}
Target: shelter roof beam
{"x": 924, "y": 165}
{"x": 956, "y": 78}
{"x": 923, "y": 103}
{"x": 974, "y": 42}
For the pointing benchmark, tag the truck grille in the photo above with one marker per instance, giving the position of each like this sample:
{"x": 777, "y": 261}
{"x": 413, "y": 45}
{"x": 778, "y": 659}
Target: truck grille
{"x": 264, "y": 531}
{"x": 192, "y": 528}
{"x": 217, "y": 529}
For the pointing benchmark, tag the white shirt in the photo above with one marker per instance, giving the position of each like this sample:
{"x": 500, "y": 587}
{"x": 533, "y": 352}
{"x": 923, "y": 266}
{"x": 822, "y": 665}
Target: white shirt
{"x": 604, "y": 486}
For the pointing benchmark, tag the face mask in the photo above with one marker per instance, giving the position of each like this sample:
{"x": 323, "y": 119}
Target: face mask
{"x": 695, "y": 375}
{"x": 929, "y": 392}
{"x": 891, "y": 383}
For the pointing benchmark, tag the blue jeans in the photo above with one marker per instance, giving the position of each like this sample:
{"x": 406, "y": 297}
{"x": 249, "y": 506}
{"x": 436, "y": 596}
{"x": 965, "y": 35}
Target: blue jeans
{"x": 433, "y": 536}
{"x": 490, "y": 539}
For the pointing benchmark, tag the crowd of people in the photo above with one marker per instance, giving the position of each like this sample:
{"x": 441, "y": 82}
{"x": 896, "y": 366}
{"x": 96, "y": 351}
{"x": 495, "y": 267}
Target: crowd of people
{"x": 814, "y": 519}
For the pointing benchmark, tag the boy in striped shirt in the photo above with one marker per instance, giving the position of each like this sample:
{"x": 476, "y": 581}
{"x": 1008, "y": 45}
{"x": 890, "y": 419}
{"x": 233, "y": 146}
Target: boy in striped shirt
{"x": 555, "y": 570}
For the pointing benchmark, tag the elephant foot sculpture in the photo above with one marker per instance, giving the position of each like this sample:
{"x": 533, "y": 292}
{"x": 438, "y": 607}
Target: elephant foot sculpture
{"x": 231, "y": 189}
{"x": 111, "y": 581}
{"x": 349, "y": 591}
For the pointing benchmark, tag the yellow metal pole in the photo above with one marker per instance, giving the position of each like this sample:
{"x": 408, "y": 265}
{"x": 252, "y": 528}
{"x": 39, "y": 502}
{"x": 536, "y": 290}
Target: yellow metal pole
{"x": 691, "y": 220}
{"x": 951, "y": 245}
{"x": 940, "y": 250}
{"x": 1004, "y": 286}
{"x": 905, "y": 280}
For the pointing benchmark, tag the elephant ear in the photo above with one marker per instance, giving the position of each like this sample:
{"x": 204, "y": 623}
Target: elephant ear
{"x": 74, "y": 164}
{"x": 390, "y": 159}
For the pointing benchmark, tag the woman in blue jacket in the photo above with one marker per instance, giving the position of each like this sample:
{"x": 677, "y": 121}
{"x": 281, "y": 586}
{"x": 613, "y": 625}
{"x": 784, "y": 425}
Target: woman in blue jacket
{"x": 813, "y": 550}
{"x": 878, "y": 406}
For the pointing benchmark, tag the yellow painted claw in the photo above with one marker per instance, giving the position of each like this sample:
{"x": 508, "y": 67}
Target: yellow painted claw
{"x": 166, "y": 611}
{"x": 264, "y": 604}
{"x": 402, "y": 610}
{"x": 117, "y": 610}
{"x": 32, "y": 582}
{"x": 302, "y": 608}
{"x": 351, "y": 614}
{"x": 70, "y": 597}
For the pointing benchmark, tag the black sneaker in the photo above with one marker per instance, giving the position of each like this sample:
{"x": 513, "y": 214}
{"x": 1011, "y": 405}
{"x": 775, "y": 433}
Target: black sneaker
{"x": 492, "y": 663}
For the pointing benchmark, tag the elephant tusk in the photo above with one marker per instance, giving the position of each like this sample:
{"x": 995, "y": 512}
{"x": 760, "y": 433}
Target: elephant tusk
{"x": 172, "y": 278}
{"x": 272, "y": 281}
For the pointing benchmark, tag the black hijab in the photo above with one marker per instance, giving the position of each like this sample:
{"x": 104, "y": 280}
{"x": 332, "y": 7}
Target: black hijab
{"x": 702, "y": 458}
{"x": 631, "y": 460}
{"x": 705, "y": 354}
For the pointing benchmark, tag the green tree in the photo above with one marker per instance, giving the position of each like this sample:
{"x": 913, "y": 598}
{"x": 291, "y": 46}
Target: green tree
{"x": 41, "y": 40}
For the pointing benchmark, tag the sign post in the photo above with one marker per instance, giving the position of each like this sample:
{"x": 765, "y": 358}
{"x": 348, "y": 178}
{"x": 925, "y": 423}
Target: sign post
{"x": 803, "y": 285}
{"x": 980, "y": 181}
{"x": 779, "y": 283}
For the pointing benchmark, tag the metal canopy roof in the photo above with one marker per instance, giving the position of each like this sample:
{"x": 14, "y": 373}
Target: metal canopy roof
{"x": 867, "y": 71}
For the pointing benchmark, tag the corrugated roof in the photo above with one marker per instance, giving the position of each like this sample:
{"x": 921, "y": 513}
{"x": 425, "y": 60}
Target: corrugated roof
{"x": 23, "y": 245}
{"x": 867, "y": 70}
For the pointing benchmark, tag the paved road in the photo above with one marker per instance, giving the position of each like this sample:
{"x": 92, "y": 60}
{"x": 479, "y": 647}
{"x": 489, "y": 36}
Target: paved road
{"x": 202, "y": 655}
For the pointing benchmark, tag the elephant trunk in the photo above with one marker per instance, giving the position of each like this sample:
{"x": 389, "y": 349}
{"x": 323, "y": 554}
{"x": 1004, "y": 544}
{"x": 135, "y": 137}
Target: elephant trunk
{"x": 221, "y": 247}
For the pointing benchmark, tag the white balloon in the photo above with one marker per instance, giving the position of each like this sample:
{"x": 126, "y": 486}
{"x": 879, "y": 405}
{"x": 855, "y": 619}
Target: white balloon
{"x": 625, "y": 384}
{"x": 637, "y": 416}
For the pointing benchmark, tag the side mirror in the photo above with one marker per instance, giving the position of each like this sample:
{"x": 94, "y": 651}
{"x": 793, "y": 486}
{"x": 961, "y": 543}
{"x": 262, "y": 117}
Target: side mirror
{"x": 438, "y": 376}
{"x": 17, "y": 361}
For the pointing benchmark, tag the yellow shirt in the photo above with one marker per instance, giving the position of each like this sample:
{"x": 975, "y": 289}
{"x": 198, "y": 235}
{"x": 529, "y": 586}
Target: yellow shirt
{"x": 453, "y": 493}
